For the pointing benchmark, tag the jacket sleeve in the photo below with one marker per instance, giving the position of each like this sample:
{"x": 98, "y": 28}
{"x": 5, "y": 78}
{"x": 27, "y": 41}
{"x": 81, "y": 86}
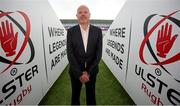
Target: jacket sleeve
{"x": 71, "y": 58}
{"x": 98, "y": 54}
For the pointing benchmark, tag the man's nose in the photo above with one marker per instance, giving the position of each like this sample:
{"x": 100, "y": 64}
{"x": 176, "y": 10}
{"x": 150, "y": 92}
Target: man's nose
{"x": 83, "y": 15}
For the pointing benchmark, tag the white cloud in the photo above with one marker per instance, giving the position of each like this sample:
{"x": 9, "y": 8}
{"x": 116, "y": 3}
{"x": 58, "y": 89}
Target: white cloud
{"x": 100, "y": 9}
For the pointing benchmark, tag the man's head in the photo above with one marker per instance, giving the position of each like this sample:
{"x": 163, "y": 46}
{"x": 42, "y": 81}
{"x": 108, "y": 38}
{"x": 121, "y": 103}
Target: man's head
{"x": 83, "y": 14}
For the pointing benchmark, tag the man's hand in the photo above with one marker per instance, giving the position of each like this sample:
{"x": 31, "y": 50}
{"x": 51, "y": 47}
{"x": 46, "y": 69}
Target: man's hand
{"x": 164, "y": 40}
{"x": 85, "y": 77}
{"x": 8, "y": 39}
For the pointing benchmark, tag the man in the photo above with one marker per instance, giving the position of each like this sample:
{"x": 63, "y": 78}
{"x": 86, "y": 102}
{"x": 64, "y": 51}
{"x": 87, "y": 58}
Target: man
{"x": 84, "y": 51}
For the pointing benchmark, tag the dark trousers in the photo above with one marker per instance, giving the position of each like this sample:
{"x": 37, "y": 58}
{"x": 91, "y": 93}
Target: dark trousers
{"x": 76, "y": 90}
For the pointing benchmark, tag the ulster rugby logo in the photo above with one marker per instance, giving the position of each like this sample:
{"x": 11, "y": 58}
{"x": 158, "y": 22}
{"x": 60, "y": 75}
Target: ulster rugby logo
{"x": 163, "y": 48}
{"x": 14, "y": 37}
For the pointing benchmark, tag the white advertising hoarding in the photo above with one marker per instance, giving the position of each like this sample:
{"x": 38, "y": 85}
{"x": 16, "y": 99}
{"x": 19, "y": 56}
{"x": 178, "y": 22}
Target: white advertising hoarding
{"x": 25, "y": 76}
{"x": 54, "y": 36}
{"x": 144, "y": 40}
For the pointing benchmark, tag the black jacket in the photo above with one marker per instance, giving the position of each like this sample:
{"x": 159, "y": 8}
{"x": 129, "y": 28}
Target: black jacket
{"x": 76, "y": 53}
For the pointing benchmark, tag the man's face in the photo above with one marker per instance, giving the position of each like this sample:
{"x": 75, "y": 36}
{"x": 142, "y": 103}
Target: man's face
{"x": 83, "y": 15}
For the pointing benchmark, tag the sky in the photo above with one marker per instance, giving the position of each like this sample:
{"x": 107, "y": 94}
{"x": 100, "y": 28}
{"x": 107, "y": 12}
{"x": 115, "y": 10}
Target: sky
{"x": 99, "y": 9}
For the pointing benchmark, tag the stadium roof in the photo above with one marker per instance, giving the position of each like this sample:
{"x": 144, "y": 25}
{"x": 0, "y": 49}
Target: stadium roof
{"x": 74, "y": 21}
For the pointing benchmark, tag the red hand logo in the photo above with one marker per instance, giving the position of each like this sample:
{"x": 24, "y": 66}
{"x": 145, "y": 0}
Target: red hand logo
{"x": 8, "y": 39}
{"x": 164, "y": 40}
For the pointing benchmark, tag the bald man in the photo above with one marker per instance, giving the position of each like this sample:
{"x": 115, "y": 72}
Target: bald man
{"x": 84, "y": 51}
